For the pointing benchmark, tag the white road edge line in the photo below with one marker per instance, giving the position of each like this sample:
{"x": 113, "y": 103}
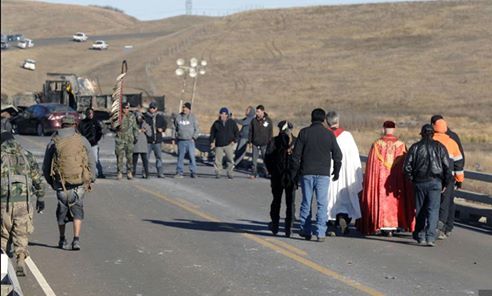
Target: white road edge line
{"x": 39, "y": 277}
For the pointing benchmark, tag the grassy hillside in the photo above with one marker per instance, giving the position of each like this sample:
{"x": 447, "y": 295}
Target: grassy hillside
{"x": 374, "y": 62}
{"x": 41, "y": 20}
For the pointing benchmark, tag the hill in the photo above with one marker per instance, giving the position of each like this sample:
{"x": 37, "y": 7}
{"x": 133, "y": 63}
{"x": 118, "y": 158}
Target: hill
{"x": 372, "y": 62}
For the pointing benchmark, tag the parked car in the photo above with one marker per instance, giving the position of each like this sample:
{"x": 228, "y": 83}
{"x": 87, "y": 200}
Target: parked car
{"x": 79, "y": 37}
{"x": 26, "y": 43}
{"x": 15, "y": 37}
{"x": 100, "y": 44}
{"x": 5, "y": 45}
{"x": 42, "y": 119}
{"x": 29, "y": 64}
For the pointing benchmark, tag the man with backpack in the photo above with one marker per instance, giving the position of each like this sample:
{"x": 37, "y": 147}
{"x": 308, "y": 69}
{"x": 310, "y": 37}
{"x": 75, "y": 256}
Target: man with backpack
{"x": 69, "y": 167}
{"x": 21, "y": 178}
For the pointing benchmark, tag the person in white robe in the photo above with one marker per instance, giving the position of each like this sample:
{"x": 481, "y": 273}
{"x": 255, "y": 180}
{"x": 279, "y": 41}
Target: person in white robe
{"x": 343, "y": 194}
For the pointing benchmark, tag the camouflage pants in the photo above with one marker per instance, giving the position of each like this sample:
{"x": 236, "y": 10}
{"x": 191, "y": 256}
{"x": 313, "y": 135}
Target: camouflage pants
{"x": 16, "y": 226}
{"x": 124, "y": 152}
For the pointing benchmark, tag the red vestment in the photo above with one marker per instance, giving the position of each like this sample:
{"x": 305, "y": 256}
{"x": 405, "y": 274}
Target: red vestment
{"x": 387, "y": 200}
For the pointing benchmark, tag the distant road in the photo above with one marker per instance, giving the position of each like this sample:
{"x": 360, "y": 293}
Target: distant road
{"x": 92, "y": 38}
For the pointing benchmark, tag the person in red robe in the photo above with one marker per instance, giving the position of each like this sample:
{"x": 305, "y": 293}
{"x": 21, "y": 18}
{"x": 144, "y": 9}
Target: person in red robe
{"x": 387, "y": 202}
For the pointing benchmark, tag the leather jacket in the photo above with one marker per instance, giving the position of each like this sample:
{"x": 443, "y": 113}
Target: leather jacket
{"x": 427, "y": 160}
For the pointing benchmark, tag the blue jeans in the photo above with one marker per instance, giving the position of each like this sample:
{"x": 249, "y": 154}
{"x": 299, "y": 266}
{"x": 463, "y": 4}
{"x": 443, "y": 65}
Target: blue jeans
{"x": 156, "y": 148}
{"x": 186, "y": 146}
{"x": 311, "y": 184}
{"x": 427, "y": 201}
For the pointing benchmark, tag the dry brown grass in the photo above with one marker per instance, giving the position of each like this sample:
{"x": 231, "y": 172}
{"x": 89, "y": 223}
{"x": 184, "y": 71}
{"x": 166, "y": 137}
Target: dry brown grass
{"x": 402, "y": 61}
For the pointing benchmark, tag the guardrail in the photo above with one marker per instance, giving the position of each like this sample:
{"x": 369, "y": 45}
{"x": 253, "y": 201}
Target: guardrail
{"x": 203, "y": 145}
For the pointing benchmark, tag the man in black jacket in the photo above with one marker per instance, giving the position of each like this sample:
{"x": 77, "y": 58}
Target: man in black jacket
{"x": 91, "y": 129}
{"x": 158, "y": 125}
{"x": 316, "y": 146}
{"x": 260, "y": 134}
{"x": 223, "y": 135}
{"x": 427, "y": 166}
{"x": 278, "y": 160}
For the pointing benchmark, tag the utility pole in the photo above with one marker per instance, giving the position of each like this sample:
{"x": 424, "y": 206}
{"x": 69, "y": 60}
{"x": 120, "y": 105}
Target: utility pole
{"x": 189, "y": 7}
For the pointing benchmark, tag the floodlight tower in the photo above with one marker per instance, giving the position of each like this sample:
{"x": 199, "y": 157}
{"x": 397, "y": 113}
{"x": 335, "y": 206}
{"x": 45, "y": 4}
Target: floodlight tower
{"x": 189, "y": 7}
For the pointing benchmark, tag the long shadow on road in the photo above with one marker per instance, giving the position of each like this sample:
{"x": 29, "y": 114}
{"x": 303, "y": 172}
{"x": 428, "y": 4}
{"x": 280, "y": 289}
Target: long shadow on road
{"x": 213, "y": 226}
{"x": 261, "y": 228}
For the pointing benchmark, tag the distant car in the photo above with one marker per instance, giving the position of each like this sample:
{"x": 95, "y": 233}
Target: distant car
{"x": 79, "y": 37}
{"x": 26, "y": 43}
{"x": 29, "y": 64}
{"x": 15, "y": 37}
{"x": 100, "y": 44}
{"x": 42, "y": 119}
{"x": 5, "y": 45}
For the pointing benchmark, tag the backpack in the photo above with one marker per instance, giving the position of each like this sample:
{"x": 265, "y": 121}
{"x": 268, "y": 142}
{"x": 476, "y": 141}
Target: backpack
{"x": 70, "y": 164}
{"x": 15, "y": 172}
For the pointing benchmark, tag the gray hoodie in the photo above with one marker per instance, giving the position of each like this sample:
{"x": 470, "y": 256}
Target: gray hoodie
{"x": 186, "y": 127}
{"x": 245, "y": 123}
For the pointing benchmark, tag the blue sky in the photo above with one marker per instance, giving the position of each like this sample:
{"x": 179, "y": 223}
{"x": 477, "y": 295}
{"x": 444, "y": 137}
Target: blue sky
{"x": 157, "y": 9}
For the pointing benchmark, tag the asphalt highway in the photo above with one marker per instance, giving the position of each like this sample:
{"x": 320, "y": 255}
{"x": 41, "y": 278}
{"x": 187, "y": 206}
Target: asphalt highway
{"x": 209, "y": 236}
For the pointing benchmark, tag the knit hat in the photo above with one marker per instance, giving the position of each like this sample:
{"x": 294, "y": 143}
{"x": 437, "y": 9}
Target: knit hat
{"x": 440, "y": 126}
{"x": 224, "y": 110}
{"x": 427, "y": 130}
{"x": 187, "y": 105}
{"x": 435, "y": 118}
{"x": 153, "y": 105}
{"x": 389, "y": 124}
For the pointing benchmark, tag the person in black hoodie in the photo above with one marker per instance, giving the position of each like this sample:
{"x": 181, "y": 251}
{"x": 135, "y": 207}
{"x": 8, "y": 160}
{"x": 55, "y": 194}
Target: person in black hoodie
{"x": 91, "y": 129}
{"x": 158, "y": 125}
{"x": 278, "y": 160}
{"x": 314, "y": 150}
{"x": 223, "y": 135}
{"x": 260, "y": 135}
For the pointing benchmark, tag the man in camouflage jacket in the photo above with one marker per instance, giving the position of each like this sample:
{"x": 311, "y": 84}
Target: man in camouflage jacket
{"x": 125, "y": 139}
{"x": 21, "y": 178}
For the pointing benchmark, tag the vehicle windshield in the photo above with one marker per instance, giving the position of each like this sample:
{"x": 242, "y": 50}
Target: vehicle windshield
{"x": 59, "y": 108}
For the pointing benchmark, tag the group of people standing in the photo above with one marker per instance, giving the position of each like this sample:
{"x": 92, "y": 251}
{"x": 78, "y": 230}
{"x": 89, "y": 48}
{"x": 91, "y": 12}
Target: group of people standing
{"x": 400, "y": 191}
{"x": 409, "y": 190}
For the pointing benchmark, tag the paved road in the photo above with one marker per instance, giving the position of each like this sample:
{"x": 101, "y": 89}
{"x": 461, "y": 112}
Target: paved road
{"x": 209, "y": 237}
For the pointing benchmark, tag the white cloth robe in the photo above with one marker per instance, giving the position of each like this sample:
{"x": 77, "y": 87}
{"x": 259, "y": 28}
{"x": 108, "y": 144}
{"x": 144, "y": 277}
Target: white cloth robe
{"x": 343, "y": 193}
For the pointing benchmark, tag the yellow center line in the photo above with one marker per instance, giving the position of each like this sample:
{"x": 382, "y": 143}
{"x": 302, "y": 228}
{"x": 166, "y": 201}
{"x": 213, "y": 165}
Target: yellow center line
{"x": 287, "y": 246}
{"x": 268, "y": 243}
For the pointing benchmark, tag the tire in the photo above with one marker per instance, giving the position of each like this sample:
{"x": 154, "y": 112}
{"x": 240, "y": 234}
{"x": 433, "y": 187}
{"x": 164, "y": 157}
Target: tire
{"x": 40, "y": 130}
